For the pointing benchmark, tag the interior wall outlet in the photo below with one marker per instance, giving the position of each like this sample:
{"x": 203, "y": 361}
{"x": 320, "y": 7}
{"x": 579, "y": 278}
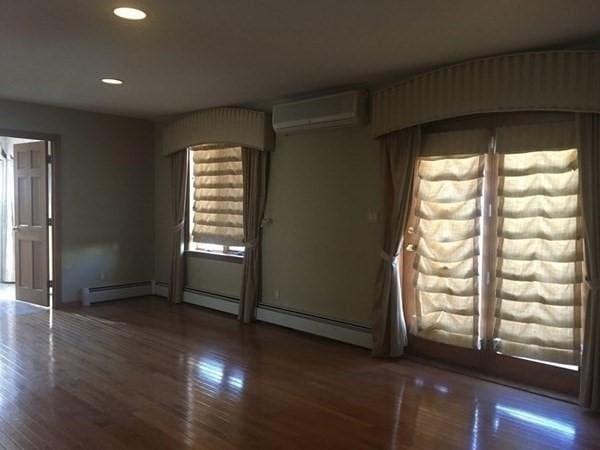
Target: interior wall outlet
{"x": 372, "y": 216}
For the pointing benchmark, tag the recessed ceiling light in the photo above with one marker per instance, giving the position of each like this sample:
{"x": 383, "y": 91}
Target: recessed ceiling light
{"x": 112, "y": 81}
{"x": 130, "y": 13}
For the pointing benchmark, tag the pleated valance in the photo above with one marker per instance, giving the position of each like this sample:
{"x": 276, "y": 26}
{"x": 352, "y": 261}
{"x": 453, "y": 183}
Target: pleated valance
{"x": 540, "y": 81}
{"x": 229, "y": 126}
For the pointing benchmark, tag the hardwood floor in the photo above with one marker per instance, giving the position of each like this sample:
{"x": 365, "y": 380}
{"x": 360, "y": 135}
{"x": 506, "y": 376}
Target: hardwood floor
{"x": 7, "y": 291}
{"x": 144, "y": 374}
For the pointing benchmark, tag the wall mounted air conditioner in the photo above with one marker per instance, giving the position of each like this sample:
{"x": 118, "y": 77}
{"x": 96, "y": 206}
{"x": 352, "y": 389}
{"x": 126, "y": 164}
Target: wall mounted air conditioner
{"x": 332, "y": 111}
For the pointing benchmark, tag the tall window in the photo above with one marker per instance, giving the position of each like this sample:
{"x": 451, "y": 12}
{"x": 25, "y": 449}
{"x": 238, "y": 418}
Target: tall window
{"x": 493, "y": 251}
{"x": 539, "y": 256}
{"x": 216, "y": 200}
{"x": 445, "y": 230}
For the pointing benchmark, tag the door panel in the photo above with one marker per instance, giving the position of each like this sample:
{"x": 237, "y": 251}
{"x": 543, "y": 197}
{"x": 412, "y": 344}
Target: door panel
{"x": 528, "y": 333}
{"x": 31, "y": 228}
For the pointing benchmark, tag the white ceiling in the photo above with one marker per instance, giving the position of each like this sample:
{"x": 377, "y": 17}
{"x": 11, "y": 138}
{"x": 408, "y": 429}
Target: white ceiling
{"x": 193, "y": 54}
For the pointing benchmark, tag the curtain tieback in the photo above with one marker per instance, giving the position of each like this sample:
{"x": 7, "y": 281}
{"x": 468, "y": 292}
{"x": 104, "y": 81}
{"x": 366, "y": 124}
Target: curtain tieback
{"x": 180, "y": 226}
{"x": 251, "y": 243}
{"x": 389, "y": 258}
{"x": 593, "y": 285}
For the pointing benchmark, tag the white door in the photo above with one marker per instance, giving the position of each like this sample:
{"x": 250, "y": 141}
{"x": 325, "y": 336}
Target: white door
{"x": 31, "y": 222}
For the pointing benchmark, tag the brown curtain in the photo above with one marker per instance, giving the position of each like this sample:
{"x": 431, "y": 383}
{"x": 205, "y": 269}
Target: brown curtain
{"x": 589, "y": 166}
{"x": 179, "y": 192}
{"x": 254, "y": 166}
{"x": 399, "y": 151}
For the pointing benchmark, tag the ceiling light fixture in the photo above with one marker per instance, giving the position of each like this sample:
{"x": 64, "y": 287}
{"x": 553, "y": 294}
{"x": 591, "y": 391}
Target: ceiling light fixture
{"x": 113, "y": 81}
{"x": 129, "y": 13}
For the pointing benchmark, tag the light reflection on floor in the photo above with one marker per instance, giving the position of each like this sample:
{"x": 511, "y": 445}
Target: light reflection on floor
{"x": 501, "y": 419}
{"x": 215, "y": 373}
{"x": 211, "y": 379}
{"x": 10, "y": 306}
{"x": 536, "y": 422}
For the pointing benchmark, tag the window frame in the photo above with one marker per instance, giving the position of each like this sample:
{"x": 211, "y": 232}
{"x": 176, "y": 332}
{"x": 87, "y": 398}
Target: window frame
{"x": 227, "y": 254}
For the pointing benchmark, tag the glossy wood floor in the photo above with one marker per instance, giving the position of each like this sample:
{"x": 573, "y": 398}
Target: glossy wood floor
{"x": 144, "y": 374}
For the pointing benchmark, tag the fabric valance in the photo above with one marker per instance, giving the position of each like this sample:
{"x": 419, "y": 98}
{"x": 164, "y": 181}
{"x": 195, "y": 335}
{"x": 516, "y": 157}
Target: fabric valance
{"x": 539, "y": 81}
{"x": 230, "y": 126}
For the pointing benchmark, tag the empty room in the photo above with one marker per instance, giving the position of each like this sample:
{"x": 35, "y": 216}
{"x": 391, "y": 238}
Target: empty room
{"x": 300, "y": 224}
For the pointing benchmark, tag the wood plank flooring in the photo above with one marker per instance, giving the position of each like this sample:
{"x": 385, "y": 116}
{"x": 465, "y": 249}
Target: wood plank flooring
{"x": 144, "y": 374}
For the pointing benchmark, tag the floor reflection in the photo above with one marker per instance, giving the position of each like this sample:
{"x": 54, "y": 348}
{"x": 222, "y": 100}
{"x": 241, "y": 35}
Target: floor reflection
{"x": 475, "y": 429}
{"x": 8, "y": 355}
{"x": 547, "y": 427}
{"x": 13, "y": 338}
{"x": 217, "y": 374}
{"x": 441, "y": 388}
{"x": 491, "y": 422}
{"x": 211, "y": 371}
{"x": 135, "y": 374}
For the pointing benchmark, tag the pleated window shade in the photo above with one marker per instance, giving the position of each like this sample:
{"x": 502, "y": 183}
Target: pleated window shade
{"x": 445, "y": 266}
{"x": 218, "y": 192}
{"x": 540, "y": 256}
{"x": 494, "y": 240}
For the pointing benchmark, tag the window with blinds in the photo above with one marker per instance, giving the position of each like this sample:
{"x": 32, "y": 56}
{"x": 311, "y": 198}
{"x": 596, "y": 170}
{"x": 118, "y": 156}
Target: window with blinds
{"x": 216, "y": 199}
{"x": 493, "y": 247}
{"x": 446, "y": 260}
{"x": 540, "y": 257}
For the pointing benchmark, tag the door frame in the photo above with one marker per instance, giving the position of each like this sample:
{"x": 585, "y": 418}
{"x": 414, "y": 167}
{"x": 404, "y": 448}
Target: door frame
{"x": 54, "y": 199}
{"x": 485, "y": 361}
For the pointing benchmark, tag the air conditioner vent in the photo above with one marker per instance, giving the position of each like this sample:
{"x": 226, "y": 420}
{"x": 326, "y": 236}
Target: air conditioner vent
{"x": 332, "y": 111}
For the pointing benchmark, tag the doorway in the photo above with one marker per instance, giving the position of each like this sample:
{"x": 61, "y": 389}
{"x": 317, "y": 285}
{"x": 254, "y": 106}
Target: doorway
{"x": 26, "y": 221}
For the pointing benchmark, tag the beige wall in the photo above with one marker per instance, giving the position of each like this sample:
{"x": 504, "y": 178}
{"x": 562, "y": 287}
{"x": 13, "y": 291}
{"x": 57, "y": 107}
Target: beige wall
{"x": 320, "y": 252}
{"x": 105, "y": 192}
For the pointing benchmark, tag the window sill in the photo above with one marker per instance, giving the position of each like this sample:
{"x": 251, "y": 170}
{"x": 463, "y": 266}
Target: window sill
{"x": 215, "y": 256}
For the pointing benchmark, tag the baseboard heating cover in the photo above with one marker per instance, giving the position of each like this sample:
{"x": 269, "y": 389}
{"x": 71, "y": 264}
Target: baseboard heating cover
{"x": 93, "y": 295}
{"x": 349, "y": 333}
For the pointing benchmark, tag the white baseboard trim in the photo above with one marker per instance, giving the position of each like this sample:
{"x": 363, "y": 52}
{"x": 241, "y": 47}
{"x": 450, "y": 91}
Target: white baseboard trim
{"x": 93, "y": 295}
{"x": 210, "y": 301}
{"x": 339, "y": 331}
{"x": 161, "y": 290}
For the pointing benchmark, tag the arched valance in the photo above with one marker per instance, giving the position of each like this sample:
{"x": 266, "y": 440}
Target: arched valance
{"x": 540, "y": 81}
{"x": 237, "y": 126}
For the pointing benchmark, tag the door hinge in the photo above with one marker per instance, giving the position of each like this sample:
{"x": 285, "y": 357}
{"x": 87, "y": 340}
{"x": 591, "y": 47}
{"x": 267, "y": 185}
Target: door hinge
{"x": 50, "y": 283}
{"x": 49, "y": 159}
{"x": 50, "y": 221}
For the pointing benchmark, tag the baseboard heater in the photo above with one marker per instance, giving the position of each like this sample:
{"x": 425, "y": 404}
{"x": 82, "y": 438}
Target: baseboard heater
{"x": 93, "y": 295}
{"x": 349, "y": 333}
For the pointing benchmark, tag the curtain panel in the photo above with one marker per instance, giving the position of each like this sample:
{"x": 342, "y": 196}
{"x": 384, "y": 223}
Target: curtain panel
{"x": 255, "y": 169}
{"x": 179, "y": 191}
{"x": 399, "y": 152}
{"x": 589, "y": 165}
